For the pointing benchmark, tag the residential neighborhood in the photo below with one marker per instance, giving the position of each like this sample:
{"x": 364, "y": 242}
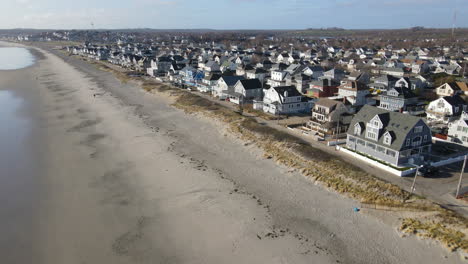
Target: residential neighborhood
{"x": 385, "y": 102}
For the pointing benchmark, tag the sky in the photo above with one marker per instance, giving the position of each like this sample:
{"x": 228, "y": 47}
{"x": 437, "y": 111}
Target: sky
{"x": 231, "y": 14}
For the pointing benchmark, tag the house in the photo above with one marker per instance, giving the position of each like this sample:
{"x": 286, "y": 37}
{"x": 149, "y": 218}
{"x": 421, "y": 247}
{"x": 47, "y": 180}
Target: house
{"x": 278, "y": 78}
{"x": 191, "y": 76}
{"x": 285, "y": 100}
{"x": 323, "y": 88}
{"x": 449, "y": 89}
{"x": 458, "y": 130}
{"x": 301, "y": 81}
{"x": 246, "y": 91}
{"x": 398, "y": 99}
{"x": 257, "y": 73}
{"x": 356, "y": 93}
{"x": 362, "y": 77}
{"x": 395, "y": 138}
{"x": 334, "y": 74}
{"x": 225, "y": 85}
{"x": 208, "y": 83}
{"x": 398, "y": 72}
{"x": 446, "y": 109}
{"x": 329, "y": 117}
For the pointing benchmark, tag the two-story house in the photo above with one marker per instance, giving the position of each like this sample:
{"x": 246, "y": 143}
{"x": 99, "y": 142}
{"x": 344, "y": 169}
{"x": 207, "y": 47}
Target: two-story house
{"x": 207, "y": 83}
{"x": 329, "y": 118}
{"x": 458, "y": 130}
{"x": 225, "y": 85}
{"x": 278, "y": 78}
{"x": 392, "y": 137}
{"x": 356, "y": 93}
{"x": 400, "y": 99}
{"x": 446, "y": 109}
{"x": 246, "y": 91}
{"x": 285, "y": 100}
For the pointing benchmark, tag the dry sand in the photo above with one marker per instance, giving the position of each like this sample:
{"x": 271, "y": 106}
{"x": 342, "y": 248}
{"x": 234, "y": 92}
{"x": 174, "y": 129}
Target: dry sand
{"x": 127, "y": 178}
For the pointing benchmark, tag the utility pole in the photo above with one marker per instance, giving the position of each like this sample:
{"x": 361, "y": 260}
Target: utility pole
{"x": 414, "y": 180}
{"x": 336, "y": 132}
{"x": 461, "y": 177}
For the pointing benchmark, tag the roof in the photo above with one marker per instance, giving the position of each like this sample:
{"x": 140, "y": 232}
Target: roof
{"x": 463, "y": 86}
{"x": 251, "y": 84}
{"x": 397, "y": 124}
{"x": 292, "y": 91}
{"x": 232, "y": 80}
{"x": 454, "y": 100}
{"x": 328, "y": 103}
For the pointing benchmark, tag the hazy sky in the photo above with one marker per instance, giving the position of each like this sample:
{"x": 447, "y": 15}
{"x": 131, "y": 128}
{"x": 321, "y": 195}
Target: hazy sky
{"x": 231, "y": 14}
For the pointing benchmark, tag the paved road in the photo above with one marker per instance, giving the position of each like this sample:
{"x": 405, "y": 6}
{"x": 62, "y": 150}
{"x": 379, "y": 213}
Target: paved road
{"x": 440, "y": 188}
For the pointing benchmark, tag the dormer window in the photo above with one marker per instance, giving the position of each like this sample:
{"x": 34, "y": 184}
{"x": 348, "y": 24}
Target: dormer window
{"x": 387, "y": 139}
{"x": 357, "y": 129}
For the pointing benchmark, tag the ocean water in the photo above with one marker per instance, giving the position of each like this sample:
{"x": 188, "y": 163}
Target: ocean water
{"x": 18, "y": 162}
{"x": 15, "y": 58}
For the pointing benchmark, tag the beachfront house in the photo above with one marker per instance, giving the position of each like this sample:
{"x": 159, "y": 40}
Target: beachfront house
{"x": 329, "y": 118}
{"x": 285, "y": 100}
{"x": 246, "y": 91}
{"x": 392, "y": 137}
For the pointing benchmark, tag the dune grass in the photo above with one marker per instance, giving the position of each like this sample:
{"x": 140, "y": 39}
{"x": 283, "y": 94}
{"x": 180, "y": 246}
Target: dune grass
{"x": 445, "y": 226}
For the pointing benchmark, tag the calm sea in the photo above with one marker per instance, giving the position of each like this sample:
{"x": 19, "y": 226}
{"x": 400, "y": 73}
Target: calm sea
{"x": 17, "y": 161}
{"x": 15, "y": 58}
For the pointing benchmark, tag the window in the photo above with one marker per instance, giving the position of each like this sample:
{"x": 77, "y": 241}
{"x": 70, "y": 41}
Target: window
{"x": 371, "y": 135}
{"x": 361, "y": 142}
{"x": 425, "y": 138}
{"x": 391, "y": 153}
{"x": 387, "y": 139}
{"x": 416, "y": 141}
{"x": 465, "y": 129}
{"x": 459, "y": 128}
{"x": 408, "y": 142}
{"x": 464, "y": 138}
{"x": 351, "y": 139}
{"x": 370, "y": 145}
{"x": 380, "y": 149}
{"x": 418, "y": 129}
{"x": 357, "y": 129}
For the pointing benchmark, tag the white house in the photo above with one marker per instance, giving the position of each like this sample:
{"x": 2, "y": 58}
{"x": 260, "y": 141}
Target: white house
{"x": 356, "y": 93}
{"x": 445, "y": 109}
{"x": 285, "y": 100}
{"x": 246, "y": 91}
{"x": 449, "y": 89}
{"x": 458, "y": 130}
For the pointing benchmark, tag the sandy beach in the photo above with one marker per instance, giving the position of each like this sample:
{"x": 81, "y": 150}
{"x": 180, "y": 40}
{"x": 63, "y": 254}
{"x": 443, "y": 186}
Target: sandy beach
{"x": 124, "y": 177}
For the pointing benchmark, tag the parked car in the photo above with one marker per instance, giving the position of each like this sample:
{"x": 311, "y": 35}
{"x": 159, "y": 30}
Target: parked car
{"x": 427, "y": 171}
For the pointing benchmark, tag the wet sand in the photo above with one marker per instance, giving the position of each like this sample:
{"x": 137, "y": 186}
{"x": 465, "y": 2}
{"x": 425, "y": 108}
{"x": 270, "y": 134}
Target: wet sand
{"x": 123, "y": 177}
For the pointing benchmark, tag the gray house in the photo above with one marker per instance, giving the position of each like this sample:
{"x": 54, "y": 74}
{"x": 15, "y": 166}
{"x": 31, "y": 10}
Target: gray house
{"x": 392, "y": 137}
{"x": 401, "y": 99}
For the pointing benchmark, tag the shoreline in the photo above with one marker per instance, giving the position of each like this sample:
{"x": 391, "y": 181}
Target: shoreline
{"x": 140, "y": 169}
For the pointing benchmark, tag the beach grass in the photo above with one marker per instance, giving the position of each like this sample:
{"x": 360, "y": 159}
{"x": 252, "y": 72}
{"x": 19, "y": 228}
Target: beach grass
{"x": 445, "y": 226}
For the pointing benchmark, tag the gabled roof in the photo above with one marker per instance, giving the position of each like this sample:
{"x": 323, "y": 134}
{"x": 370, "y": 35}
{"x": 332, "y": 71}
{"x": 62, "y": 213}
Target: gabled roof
{"x": 232, "y": 80}
{"x": 454, "y": 100}
{"x": 398, "y": 124}
{"x": 251, "y": 84}
{"x": 292, "y": 91}
{"x": 328, "y": 103}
